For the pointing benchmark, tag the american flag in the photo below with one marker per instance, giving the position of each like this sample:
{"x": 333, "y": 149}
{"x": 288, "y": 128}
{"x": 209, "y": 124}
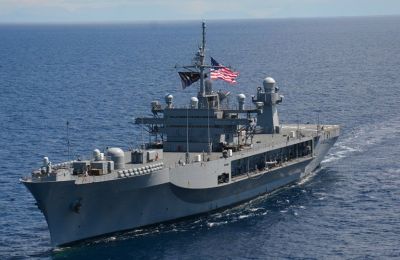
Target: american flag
{"x": 219, "y": 71}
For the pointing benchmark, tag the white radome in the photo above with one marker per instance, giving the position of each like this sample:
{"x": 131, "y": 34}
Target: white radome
{"x": 269, "y": 80}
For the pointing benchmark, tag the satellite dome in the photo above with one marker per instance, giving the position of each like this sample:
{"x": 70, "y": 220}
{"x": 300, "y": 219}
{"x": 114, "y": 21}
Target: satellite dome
{"x": 194, "y": 102}
{"x": 269, "y": 84}
{"x": 168, "y": 100}
{"x": 241, "y": 97}
{"x": 269, "y": 80}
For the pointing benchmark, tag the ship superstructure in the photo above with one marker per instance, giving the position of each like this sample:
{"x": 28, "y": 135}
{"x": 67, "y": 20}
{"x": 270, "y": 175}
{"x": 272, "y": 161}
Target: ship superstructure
{"x": 200, "y": 158}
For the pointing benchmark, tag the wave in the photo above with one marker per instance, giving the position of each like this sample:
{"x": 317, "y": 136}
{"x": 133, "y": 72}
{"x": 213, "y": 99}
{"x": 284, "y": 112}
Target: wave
{"x": 361, "y": 138}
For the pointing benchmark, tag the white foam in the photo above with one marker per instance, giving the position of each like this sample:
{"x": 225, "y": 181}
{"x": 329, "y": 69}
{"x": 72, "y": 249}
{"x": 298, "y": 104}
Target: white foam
{"x": 216, "y": 224}
{"x": 60, "y": 249}
{"x": 362, "y": 138}
{"x": 255, "y": 209}
{"x": 308, "y": 177}
{"x": 393, "y": 171}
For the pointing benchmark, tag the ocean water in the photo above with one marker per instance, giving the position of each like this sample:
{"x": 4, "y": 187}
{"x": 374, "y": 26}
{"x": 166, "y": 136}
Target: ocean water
{"x": 100, "y": 77}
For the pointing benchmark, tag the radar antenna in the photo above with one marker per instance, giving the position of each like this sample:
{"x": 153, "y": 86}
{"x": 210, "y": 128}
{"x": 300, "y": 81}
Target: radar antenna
{"x": 199, "y": 64}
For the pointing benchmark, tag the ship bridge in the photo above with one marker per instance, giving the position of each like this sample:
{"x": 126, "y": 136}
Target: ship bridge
{"x": 204, "y": 126}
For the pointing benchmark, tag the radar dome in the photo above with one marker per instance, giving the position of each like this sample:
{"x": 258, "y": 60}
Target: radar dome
{"x": 241, "y": 97}
{"x": 269, "y": 80}
{"x": 269, "y": 84}
{"x": 194, "y": 102}
{"x": 168, "y": 100}
{"x": 168, "y": 97}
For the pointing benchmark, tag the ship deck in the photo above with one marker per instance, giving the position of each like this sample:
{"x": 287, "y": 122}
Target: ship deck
{"x": 290, "y": 134}
{"x": 260, "y": 142}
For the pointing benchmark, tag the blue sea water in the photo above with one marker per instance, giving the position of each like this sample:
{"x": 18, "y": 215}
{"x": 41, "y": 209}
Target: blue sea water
{"x": 99, "y": 77}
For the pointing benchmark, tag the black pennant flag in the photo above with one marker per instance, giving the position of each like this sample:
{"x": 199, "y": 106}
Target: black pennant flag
{"x": 188, "y": 78}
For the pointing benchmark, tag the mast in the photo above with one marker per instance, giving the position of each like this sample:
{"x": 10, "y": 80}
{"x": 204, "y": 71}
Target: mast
{"x": 202, "y": 57}
{"x": 202, "y": 87}
{"x": 200, "y": 66}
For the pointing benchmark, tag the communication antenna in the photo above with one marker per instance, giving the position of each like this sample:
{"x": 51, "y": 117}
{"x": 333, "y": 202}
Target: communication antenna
{"x": 200, "y": 66}
{"x": 187, "y": 137}
{"x": 141, "y": 132}
{"x": 298, "y": 128}
{"x": 208, "y": 127}
{"x": 68, "y": 143}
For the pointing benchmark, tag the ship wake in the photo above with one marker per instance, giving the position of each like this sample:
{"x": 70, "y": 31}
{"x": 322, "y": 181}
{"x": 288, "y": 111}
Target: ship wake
{"x": 361, "y": 138}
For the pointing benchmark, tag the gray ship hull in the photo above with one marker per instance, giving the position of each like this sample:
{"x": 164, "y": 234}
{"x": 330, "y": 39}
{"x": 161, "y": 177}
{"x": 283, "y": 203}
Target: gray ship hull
{"x": 124, "y": 204}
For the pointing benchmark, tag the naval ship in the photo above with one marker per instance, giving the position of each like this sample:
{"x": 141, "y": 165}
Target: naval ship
{"x": 200, "y": 158}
